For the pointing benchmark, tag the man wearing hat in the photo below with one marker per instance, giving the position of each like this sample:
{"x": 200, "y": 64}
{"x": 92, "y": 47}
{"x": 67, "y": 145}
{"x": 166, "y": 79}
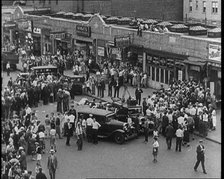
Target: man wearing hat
{"x": 89, "y": 124}
{"x": 200, "y": 156}
{"x": 22, "y": 158}
{"x": 52, "y": 164}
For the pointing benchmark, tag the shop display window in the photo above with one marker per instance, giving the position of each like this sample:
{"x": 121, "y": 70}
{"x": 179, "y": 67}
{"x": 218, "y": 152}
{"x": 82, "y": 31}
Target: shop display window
{"x": 157, "y": 74}
{"x": 162, "y": 75}
{"x": 166, "y": 77}
{"x": 153, "y": 73}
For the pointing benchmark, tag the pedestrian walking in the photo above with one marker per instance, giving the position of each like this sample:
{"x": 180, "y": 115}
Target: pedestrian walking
{"x": 146, "y": 130}
{"x": 155, "y": 148}
{"x": 179, "y": 137}
{"x": 169, "y": 131}
{"x": 200, "y": 156}
{"x": 8, "y": 68}
{"x": 79, "y": 134}
{"x": 68, "y": 131}
{"x": 58, "y": 126}
{"x": 53, "y": 138}
{"x": 116, "y": 88}
{"x": 138, "y": 93}
{"x": 95, "y": 129}
{"x": 89, "y": 124}
{"x": 52, "y": 164}
{"x": 144, "y": 106}
{"x": 41, "y": 175}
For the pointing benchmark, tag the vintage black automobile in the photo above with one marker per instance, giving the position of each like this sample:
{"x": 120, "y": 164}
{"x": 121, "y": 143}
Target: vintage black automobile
{"x": 77, "y": 82}
{"x": 48, "y": 69}
{"x": 110, "y": 127}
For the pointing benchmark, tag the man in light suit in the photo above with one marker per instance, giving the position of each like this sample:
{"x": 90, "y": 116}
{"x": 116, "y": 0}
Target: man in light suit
{"x": 52, "y": 164}
{"x": 200, "y": 156}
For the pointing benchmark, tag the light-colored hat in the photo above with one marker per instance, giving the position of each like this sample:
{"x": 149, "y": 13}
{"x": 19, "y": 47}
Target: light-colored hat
{"x": 21, "y": 148}
{"x": 90, "y": 115}
{"x": 200, "y": 140}
{"x": 52, "y": 150}
{"x": 200, "y": 104}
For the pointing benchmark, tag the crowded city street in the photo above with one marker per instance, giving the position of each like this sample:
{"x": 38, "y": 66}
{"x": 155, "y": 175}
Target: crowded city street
{"x": 111, "y": 89}
{"x": 132, "y": 159}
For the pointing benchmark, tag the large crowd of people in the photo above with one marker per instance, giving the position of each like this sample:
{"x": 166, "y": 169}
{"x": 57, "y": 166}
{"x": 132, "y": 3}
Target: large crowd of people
{"x": 175, "y": 112}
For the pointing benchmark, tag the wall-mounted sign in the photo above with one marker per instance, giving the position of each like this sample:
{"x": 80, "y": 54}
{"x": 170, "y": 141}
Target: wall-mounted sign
{"x": 9, "y": 25}
{"x": 58, "y": 35}
{"x": 122, "y": 41}
{"x": 83, "y": 30}
{"x": 36, "y": 30}
{"x": 214, "y": 52}
{"x": 195, "y": 68}
{"x": 100, "y": 51}
{"x": 25, "y": 25}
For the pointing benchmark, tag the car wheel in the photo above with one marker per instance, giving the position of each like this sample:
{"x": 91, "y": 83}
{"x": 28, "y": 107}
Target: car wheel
{"x": 119, "y": 138}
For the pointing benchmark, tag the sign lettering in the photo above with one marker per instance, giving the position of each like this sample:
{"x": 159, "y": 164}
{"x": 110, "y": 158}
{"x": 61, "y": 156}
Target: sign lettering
{"x": 122, "y": 41}
{"x": 36, "y": 30}
{"x": 83, "y": 30}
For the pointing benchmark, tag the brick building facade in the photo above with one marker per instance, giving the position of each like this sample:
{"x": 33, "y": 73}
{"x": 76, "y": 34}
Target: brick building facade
{"x": 158, "y": 9}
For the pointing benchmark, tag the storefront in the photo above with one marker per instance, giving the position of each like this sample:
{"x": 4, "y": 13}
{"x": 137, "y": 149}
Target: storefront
{"x": 36, "y": 35}
{"x": 83, "y": 42}
{"x": 163, "y": 67}
{"x": 214, "y": 70}
{"x": 62, "y": 42}
{"x": 24, "y": 31}
{"x": 9, "y": 33}
{"x": 46, "y": 41}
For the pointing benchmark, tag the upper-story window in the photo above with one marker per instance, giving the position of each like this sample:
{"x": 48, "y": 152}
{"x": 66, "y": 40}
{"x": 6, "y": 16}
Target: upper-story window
{"x": 204, "y": 6}
{"x": 190, "y": 5}
{"x": 196, "y": 5}
{"x": 49, "y": 2}
{"x": 214, "y": 7}
{"x": 57, "y": 2}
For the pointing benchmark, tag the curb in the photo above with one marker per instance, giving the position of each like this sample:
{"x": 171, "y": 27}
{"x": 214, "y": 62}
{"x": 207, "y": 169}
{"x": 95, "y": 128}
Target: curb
{"x": 195, "y": 133}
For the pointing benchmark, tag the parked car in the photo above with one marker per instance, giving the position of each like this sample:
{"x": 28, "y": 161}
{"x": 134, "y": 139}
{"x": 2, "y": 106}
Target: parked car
{"x": 47, "y": 69}
{"x": 110, "y": 127}
{"x": 77, "y": 83}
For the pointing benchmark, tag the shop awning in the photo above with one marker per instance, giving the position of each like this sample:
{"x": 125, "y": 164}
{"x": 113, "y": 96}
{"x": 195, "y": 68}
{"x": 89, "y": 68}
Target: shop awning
{"x": 194, "y": 61}
{"x": 166, "y": 54}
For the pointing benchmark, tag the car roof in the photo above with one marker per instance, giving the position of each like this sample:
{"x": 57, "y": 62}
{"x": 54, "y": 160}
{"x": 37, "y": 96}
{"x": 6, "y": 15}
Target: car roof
{"x": 74, "y": 76}
{"x": 44, "y": 67}
{"x": 94, "y": 111}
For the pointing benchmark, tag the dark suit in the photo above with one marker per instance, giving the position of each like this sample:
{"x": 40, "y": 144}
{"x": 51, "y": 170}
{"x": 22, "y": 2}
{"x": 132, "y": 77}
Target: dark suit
{"x": 68, "y": 132}
{"x": 200, "y": 157}
{"x": 138, "y": 93}
{"x": 169, "y": 131}
{"x": 52, "y": 164}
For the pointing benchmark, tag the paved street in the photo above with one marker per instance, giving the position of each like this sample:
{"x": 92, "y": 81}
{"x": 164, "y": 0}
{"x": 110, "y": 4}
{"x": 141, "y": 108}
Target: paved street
{"x": 132, "y": 159}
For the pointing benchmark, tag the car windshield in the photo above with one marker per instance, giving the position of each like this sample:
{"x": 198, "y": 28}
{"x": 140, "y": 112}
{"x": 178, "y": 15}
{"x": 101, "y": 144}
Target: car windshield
{"x": 110, "y": 117}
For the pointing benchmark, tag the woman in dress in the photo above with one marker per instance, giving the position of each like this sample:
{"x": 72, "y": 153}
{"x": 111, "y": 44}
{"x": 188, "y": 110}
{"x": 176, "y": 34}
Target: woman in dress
{"x": 155, "y": 149}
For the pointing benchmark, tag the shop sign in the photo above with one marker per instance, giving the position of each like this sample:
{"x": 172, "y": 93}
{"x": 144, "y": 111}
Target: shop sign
{"x": 100, "y": 51}
{"x": 58, "y": 35}
{"x": 149, "y": 58}
{"x": 214, "y": 52}
{"x": 214, "y": 64}
{"x": 25, "y": 25}
{"x": 36, "y": 30}
{"x": 122, "y": 41}
{"x": 83, "y": 30}
{"x": 117, "y": 53}
{"x": 195, "y": 68}
{"x": 9, "y": 25}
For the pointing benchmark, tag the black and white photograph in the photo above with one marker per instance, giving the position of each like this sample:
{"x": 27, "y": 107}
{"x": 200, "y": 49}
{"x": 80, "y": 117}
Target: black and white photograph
{"x": 97, "y": 89}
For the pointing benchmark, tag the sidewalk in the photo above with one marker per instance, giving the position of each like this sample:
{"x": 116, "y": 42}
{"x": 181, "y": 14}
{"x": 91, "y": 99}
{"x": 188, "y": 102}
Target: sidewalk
{"x": 214, "y": 136}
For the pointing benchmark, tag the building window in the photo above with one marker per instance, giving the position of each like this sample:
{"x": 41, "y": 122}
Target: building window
{"x": 166, "y": 77}
{"x": 57, "y": 2}
{"x": 153, "y": 73}
{"x": 214, "y": 7}
{"x": 162, "y": 75}
{"x": 204, "y": 6}
{"x": 190, "y": 5}
{"x": 196, "y": 7}
{"x": 49, "y": 2}
{"x": 157, "y": 74}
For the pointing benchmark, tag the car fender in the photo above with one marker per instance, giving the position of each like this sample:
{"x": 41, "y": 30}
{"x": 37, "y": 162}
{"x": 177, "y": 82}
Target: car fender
{"x": 118, "y": 130}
